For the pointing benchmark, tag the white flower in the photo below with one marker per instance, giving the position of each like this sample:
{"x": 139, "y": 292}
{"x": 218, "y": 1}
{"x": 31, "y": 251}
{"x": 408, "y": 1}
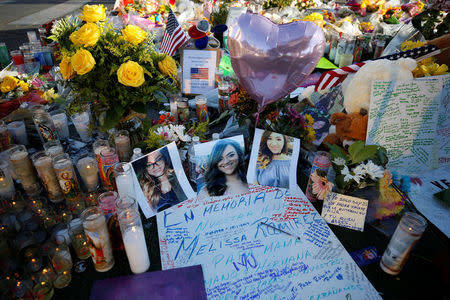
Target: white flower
{"x": 348, "y": 176}
{"x": 359, "y": 170}
{"x": 339, "y": 161}
{"x": 374, "y": 171}
{"x": 167, "y": 133}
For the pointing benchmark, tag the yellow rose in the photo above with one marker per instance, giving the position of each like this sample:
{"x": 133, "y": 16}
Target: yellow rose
{"x": 66, "y": 68}
{"x": 87, "y": 35}
{"x": 93, "y": 13}
{"x": 131, "y": 74}
{"x": 134, "y": 34}
{"x": 24, "y": 86}
{"x": 9, "y": 83}
{"x": 82, "y": 61}
{"x": 168, "y": 66}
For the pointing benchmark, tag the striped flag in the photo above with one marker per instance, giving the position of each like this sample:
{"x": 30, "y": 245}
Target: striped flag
{"x": 199, "y": 73}
{"x": 174, "y": 36}
{"x": 334, "y": 77}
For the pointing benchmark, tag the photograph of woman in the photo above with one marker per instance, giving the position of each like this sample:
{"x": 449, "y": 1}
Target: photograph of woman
{"x": 274, "y": 160}
{"x": 225, "y": 173}
{"x": 158, "y": 180}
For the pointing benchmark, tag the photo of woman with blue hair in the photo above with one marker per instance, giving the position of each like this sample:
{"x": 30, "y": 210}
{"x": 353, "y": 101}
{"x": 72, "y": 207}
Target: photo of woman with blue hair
{"x": 225, "y": 174}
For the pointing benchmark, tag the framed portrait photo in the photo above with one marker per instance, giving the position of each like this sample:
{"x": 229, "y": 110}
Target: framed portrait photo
{"x": 273, "y": 160}
{"x": 160, "y": 181}
{"x": 220, "y": 167}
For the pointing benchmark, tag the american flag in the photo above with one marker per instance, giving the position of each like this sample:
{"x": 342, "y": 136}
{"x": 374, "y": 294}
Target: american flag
{"x": 174, "y": 36}
{"x": 334, "y": 77}
{"x": 199, "y": 73}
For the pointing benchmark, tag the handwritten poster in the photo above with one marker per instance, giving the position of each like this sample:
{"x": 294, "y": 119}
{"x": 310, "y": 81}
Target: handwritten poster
{"x": 199, "y": 69}
{"x": 345, "y": 211}
{"x": 422, "y": 192}
{"x": 265, "y": 244}
{"x": 403, "y": 118}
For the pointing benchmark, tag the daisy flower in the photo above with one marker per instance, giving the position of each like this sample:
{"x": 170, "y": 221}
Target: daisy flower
{"x": 348, "y": 176}
{"x": 374, "y": 171}
{"x": 339, "y": 161}
{"x": 320, "y": 186}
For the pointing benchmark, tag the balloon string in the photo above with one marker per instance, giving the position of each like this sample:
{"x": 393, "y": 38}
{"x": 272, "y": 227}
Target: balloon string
{"x": 257, "y": 119}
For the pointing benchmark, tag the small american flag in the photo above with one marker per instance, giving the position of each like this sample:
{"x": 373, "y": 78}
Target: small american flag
{"x": 334, "y": 77}
{"x": 174, "y": 36}
{"x": 199, "y": 73}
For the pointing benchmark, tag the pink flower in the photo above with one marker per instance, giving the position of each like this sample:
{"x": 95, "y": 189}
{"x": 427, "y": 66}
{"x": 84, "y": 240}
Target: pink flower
{"x": 320, "y": 186}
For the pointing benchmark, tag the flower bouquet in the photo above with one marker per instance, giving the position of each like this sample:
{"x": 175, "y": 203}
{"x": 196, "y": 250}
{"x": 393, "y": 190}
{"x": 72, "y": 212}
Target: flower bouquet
{"x": 149, "y": 13}
{"x": 115, "y": 70}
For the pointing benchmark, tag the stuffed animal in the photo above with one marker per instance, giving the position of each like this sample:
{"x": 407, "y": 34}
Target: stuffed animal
{"x": 349, "y": 128}
{"x": 356, "y": 87}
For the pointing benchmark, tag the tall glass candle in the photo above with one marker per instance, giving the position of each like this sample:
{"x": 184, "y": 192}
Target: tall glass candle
{"x": 201, "y": 108}
{"x": 59, "y": 118}
{"x": 183, "y": 110}
{"x": 174, "y": 109}
{"x": 98, "y": 146}
{"x": 108, "y": 158}
{"x": 81, "y": 123}
{"x": 223, "y": 89}
{"x": 44, "y": 167}
{"x": 124, "y": 180}
{"x": 87, "y": 167}
{"x": 18, "y": 132}
{"x": 53, "y": 148}
{"x": 78, "y": 239}
{"x": 408, "y": 232}
{"x": 45, "y": 127}
{"x": 133, "y": 235}
{"x": 67, "y": 180}
{"x": 320, "y": 167}
{"x": 106, "y": 202}
{"x": 7, "y": 189}
{"x": 123, "y": 146}
{"x": 94, "y": 224}
{"x": 5, "y": 140}
{"x": 21, "y": 163}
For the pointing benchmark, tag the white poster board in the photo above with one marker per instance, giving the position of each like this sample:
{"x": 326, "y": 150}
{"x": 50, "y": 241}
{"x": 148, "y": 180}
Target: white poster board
{"x": 248, "y": 248}
{"x": 199, "y": 69}
{"x": 404, "y": 118}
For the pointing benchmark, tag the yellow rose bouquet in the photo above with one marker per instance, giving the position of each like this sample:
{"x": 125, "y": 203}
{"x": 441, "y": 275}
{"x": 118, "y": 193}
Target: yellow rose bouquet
{"x": 12, "y": 87}
{"x": 116, "y": 70}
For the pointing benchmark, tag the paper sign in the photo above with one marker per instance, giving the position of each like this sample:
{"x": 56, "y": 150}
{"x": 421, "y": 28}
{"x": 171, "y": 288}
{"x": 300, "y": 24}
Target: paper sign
{"x": 403, "y": 118}
{"x": 199, "y": 69}
{"x": 345, "y": 211}
{"x": 265, "y": 244}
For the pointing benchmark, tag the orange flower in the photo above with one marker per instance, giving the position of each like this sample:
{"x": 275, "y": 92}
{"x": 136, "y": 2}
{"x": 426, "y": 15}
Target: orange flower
{"x": 273, "y": 116}
{"x": 233, "y": 99}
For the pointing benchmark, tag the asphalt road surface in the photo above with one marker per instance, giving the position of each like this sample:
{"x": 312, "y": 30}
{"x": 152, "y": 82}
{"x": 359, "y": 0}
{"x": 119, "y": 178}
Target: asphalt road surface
{"x": 19, "y": 16}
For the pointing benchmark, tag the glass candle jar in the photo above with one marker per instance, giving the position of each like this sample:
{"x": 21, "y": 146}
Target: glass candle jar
{"x": 94, "y": 224}
{"x": 67, "y": 180}
{"x": 319, "y": 169}
{"x": 78, "y": 239}
{"x": 123, "y": 146}
{"x": 87, "y": 167}
{"x": 44, "y": 167}
{"x": 7, "y": 189}
{"x": 201, "y": 108}
{"x": 109, "y": 159}
{"x": 183, "y": 110}
{"x": 124, "y": 180}
{"x": 53, "y": 148}
{"x": 223, "y": 95}
{"x": 98, "y": 146}
{"x": 45, "y": 127}
{"x": 60, "y": 255}
{"x": 133, "y": 235}
{"x": 5, "y": 140}
{"x": 59, "y": 118}
{"x": 107, "y": 202}
{"x": 81, "y": 122}
{"x": 18, "y": 132}
{"x": 21, "y": 163}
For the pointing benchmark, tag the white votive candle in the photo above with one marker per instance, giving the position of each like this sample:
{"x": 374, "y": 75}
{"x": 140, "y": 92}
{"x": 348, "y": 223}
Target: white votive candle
{"x": 18, "y": 131}
{"x": 81, "y": 123}
{"x": 124, "y": 181}
{"x": 60, "y": 121}
{"x": 136, "y": 249}
{"x": 87, "y": 167}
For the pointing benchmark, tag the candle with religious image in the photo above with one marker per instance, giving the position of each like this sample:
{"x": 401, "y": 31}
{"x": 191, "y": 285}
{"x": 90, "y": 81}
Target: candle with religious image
{"x": 7, "y": 189}
{"x": 5, "y": 139}
{"x": 98, "y": 146}
{"x": 21, "y": 163}
{"x": 123, "y": 146}
{"x": 44, "y": 126}
{"x": 201, "y": 108}
{"x": 109, "y": 159}
{"x": 67, "y": 180}
{"x": 99, "y": 243}
{"x": 87, "y": 167}
{"x": 107, "y": 202}
{"x": 44, "y": 167}
{"x": 183, "y": 110}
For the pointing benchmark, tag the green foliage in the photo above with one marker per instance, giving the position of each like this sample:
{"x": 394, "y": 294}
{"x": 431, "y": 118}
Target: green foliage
{"x": 220, "y": 16}
{"x": 432, "y": 23}
{"x": 155, "y": 141}
{"x": 359, "y": 152}
{"x": 277, "y": 4}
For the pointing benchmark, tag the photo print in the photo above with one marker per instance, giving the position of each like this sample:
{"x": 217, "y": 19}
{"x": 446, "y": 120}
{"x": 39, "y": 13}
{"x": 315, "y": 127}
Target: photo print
{"x": 220, "y": 167}
{"x": 160, "y": 181}
{"x": 273, "y": 160}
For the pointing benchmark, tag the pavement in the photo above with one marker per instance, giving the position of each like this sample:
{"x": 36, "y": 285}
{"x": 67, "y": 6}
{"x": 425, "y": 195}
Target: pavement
{"x": 19, "y": 16}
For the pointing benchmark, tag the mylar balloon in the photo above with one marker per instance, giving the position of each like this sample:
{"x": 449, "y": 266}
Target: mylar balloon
{"x": 272, "y": 60}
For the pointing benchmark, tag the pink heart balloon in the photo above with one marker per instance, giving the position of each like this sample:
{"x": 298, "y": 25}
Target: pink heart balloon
{"x": 272, "y": 60}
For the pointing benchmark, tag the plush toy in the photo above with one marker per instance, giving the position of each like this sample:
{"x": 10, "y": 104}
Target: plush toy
{"x": 349, "y": 128}
{"x": 356, "y": 87}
